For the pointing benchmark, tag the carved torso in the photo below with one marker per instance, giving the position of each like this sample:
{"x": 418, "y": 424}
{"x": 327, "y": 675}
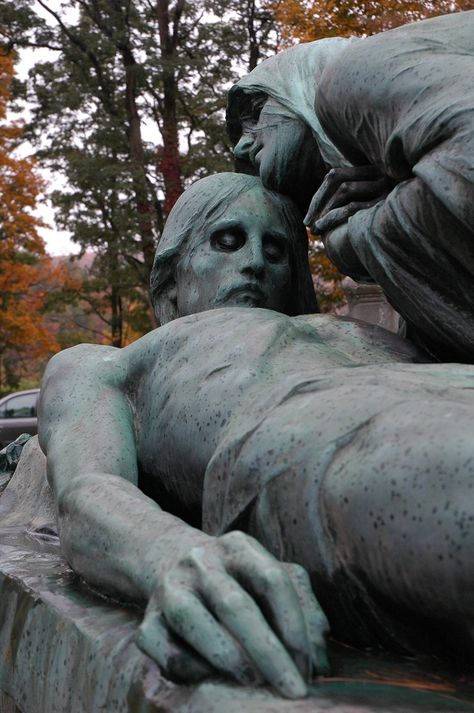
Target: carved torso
{"x": 210, "y": 375}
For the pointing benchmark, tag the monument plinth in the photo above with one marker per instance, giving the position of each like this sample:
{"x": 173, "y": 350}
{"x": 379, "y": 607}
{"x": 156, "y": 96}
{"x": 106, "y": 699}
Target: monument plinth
{"x": 65, "y": 649}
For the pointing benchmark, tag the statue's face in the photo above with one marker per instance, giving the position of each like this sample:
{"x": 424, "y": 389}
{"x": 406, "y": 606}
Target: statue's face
{"x": 243, "y": 259}
{"x": 282, "y": 151}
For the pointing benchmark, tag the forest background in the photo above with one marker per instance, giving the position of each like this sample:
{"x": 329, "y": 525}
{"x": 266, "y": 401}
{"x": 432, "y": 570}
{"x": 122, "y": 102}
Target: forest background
{"x": 125, "y": 104}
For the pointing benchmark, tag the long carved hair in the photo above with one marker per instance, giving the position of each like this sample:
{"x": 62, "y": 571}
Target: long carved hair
{"x": 208, "y": 198}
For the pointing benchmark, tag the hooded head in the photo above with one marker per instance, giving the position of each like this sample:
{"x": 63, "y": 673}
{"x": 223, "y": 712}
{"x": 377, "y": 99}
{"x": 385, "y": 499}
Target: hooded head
{"x": 229, "y": 241}
{"x": 289, "y": 149}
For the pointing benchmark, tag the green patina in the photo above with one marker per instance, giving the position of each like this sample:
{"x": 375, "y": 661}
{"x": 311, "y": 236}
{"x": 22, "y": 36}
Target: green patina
{"x": 229, "y": 466}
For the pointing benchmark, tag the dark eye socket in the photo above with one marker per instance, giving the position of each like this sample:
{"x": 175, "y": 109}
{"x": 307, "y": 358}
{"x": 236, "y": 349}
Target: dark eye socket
{"x": 227, "y": 240}
{"x": 251, "y": 108}
{"x": 275, "y": 249}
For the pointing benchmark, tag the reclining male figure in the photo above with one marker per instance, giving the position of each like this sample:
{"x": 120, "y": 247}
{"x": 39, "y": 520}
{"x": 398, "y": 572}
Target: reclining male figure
{"x": 266, "y": 439}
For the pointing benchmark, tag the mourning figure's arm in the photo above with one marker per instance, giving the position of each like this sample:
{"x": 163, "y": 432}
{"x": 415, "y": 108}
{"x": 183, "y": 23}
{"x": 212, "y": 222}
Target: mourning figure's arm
{"x": 408, "y": 242}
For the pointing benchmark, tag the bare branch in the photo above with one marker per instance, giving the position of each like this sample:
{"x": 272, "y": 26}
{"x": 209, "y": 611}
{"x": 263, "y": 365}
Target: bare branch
{"x": 77, "y": 42}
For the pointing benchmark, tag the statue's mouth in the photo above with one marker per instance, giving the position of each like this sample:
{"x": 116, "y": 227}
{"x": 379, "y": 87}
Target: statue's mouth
{"x": 248, "y": 294}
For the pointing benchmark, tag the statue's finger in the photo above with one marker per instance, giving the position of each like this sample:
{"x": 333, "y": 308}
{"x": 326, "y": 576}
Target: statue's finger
{"x": 240, "y": 615}
{"x": 264, "y": 577}
{"x": 333, "y": 191}
{"x": 317, "y": 625}
{"x": 347, "y": 192}
{"x": 344, "y": 185}
{"x": 337, "y": 216}
{"x": 174, "y": 658}
{"x": 330, "y": 184}
{"x": 331, "y": 220}
{"x": 320, "y": 660}
{"x": 191, "y": 620}
{"x": 357, "y": 193}
{"x": 312, "y": 213}
{"x": 272, "y": 585}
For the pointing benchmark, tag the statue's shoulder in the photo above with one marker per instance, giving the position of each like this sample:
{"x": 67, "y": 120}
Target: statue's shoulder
{"x": 84, "y": 357}
{"x": 362, "y": 342}
{"x": 89, "y": 352}
{"x": 389, "y": 59}
{"x": 91, "y": 362}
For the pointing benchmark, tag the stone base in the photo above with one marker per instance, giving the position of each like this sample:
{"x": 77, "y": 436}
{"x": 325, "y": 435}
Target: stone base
{"x": 7, "y": 705}
{"x": 64, "y": 649}
{"x": 368, "y": 303}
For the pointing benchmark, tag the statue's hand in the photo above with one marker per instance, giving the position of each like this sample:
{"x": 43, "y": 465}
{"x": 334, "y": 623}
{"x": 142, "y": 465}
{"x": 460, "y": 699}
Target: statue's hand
{"x": 229, "y": 606}
{"x": 343, "y": 192}
{"x": 340, "y": 251}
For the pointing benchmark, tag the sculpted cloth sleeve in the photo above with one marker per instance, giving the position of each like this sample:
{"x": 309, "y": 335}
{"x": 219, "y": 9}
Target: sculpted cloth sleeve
{"x": 404, "y": 102}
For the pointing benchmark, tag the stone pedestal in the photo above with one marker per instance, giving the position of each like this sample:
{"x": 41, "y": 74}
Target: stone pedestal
{"x": 368, "y": 303}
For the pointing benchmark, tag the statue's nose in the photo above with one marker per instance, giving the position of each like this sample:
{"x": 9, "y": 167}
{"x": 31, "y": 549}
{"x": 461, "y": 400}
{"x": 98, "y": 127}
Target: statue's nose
{"x": 242, "y": 147}
{"x": 253, "y": 259}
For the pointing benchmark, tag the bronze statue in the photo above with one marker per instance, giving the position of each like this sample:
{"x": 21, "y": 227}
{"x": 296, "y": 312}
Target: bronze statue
{"x": 115, "y": 449}
{"x": 399, "y": 107}
{"x": 272, "y": 122}
{"x": 205, "y": 469}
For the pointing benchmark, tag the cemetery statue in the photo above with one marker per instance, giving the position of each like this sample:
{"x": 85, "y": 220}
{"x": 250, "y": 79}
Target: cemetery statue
{"x": 381, "y": 131}
{"x": 229, "y": 463}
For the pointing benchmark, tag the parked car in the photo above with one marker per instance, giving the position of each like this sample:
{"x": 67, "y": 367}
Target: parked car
{"x": 18, "y": 415}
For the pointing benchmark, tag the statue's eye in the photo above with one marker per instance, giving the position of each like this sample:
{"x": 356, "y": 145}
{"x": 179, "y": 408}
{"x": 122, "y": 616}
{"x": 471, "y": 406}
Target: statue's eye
{"x": 251, "y": 108}
{"x": 257, "y": 103}
{"x": 275, "y": 249}
{"x": 228, "y": 240}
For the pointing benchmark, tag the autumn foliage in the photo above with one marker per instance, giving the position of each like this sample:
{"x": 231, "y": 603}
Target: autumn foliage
{"x": 26, "y": 272}
{"x": 326, "y": 278}
{"x": 306, "y": 20}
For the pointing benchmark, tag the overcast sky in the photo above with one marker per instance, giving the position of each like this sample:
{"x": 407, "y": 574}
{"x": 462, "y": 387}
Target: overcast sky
{"x": 57, "y": 241}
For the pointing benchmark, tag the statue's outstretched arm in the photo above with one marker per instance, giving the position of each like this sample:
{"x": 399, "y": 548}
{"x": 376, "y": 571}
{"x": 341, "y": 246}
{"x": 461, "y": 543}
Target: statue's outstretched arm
{"x": 203, "y": 589}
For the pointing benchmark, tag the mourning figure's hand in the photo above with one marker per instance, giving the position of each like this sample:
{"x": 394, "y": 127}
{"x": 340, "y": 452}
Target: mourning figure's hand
{"x": 230, "y": 607}
{"x": 344, "y": 192}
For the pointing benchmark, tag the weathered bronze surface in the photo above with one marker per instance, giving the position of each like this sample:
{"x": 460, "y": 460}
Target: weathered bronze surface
{"x": 392, "y": 116}
{"x": 233, "y": 465}
{"x": 63, "y": 648}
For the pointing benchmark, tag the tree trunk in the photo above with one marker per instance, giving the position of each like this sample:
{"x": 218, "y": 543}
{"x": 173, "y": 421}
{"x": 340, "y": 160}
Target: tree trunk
{"x": 147, "y": 217}
{"x": 254, "y": 45}
{"x": 116, "y": 322}
{"x": 169, "y": 159}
